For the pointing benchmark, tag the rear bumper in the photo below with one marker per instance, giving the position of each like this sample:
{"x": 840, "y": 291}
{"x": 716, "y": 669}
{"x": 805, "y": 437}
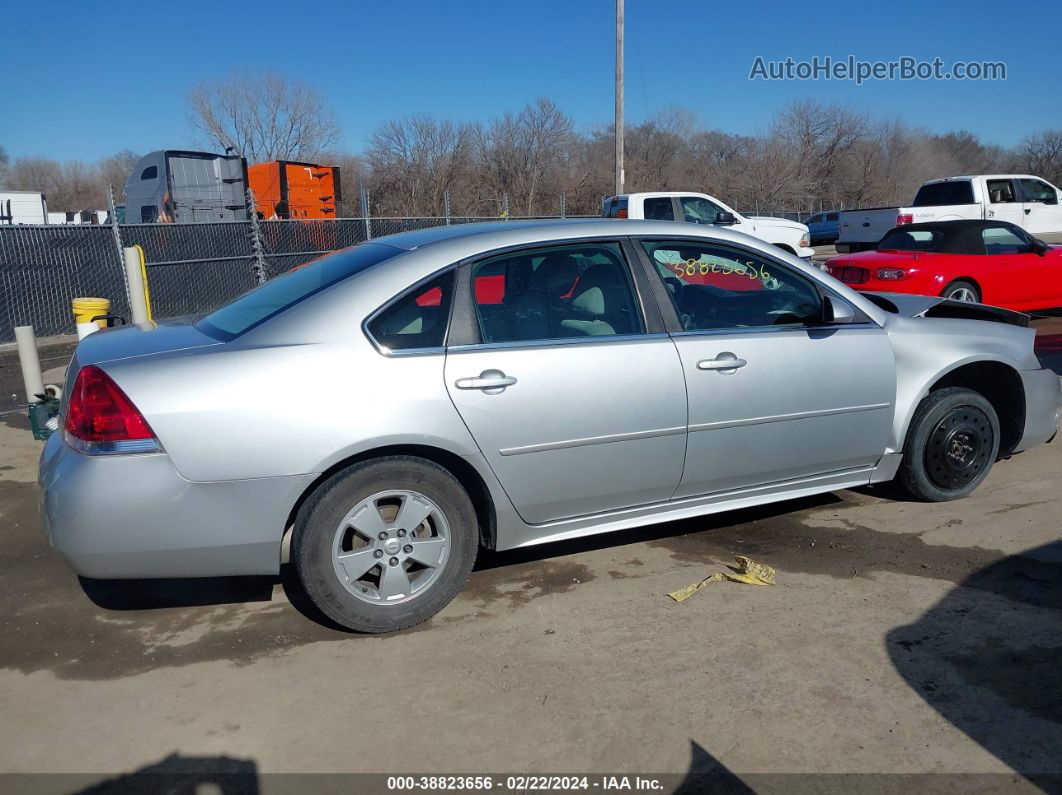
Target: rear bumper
{"x": 1043, "y": 395}
{"x": 134, "y": 516}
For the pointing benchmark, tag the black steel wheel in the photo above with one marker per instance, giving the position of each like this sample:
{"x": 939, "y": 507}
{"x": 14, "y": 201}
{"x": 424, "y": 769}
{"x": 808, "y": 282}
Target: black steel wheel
{"x": 951, "y": 445}
{"x": 958, "y": 447}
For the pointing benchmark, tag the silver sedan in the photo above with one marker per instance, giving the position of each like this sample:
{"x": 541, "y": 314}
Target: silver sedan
{"x": 392, "y": 408}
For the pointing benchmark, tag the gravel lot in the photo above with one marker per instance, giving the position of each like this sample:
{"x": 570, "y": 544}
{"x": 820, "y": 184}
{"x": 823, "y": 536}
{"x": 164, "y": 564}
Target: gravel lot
{"x": 901, "y": 638}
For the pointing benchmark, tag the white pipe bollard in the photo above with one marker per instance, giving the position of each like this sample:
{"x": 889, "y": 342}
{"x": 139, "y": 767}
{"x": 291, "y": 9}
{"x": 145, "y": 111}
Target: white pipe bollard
{"x": 32, "y": 379}
{"x": 134, "y": 277}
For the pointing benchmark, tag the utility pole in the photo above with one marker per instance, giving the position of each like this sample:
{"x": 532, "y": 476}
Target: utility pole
{"x": 619, "y": 97}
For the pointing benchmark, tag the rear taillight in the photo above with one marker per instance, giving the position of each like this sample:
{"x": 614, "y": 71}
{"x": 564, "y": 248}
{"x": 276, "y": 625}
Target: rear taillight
{"x": 621, "y": 212}
{"x": 904, "y": 218}
{"x": 101, "y": 419}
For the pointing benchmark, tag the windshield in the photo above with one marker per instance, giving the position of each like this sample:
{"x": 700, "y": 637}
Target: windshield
{"x": 283, "y": 292}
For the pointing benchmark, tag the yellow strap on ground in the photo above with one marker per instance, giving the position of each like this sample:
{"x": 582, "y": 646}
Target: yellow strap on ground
{"x": 748, "y": 571}
{"x": 143, "y": 271}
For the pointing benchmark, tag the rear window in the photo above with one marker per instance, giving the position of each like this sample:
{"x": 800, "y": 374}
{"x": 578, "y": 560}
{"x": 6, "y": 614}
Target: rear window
{"x": 283, "y": 292}
{"x": 940, "y": 193}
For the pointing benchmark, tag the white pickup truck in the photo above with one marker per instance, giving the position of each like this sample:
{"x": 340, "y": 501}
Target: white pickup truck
{"x": 700, "y": 208}
{"x": 1022, "y": 199}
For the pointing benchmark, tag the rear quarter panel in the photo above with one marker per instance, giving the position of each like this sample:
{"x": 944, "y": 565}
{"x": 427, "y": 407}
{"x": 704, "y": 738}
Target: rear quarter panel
{"x": 238, "y": 412}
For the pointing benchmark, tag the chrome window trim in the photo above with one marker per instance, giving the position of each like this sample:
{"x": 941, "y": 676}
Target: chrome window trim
{"x": 773, "y": 329}
{"x": 617, "y": 338}
{"x": 399, "y": 354}
{"x": 639, "y": 299}
{"x": 823, "y": 288}
{"x": 382, "y": 349}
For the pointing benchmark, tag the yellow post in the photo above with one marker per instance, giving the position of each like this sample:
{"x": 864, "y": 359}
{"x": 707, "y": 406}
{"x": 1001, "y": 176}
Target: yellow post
{"x": 143, "y": 271}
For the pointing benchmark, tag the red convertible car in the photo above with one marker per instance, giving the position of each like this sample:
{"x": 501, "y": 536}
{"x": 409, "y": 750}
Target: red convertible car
{"x": 991, "y": 262}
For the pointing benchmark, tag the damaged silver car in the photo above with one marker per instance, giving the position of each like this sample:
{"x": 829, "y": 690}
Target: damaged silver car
{"x": 397, "y": 406}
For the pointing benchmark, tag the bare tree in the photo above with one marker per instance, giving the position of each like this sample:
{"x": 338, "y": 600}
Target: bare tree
{"x": 524, "y": 154}
{"x": 4, "y": 160}
{"x": 1041, "y": 154}
{"x": 264, "y": 116}
{"x": 114, "y": 171}
{"x": 414, "y": 162}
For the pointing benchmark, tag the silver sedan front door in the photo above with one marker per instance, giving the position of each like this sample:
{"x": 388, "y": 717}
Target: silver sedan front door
{"x": 775, "y": 395}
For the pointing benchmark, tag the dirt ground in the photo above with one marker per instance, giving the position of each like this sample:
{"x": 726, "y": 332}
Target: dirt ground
{"x": 901, "y": 638}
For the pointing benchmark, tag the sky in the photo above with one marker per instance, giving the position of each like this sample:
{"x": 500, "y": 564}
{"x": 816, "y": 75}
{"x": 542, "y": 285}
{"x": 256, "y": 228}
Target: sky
{"x": 85, "y": 80}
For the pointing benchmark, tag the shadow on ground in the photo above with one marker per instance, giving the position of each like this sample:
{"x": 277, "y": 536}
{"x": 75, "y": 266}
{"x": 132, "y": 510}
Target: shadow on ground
{"x": 988, "y": 658}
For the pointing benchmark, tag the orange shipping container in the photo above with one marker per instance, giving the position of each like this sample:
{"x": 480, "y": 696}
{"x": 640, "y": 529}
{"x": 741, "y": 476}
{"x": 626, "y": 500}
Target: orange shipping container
{"x": 286, "y": 189}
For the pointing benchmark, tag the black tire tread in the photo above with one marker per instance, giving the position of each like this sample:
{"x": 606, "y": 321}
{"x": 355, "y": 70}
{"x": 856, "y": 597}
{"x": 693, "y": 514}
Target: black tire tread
{"x": 965, "y": 282}
{"x": 330, "y": 489}
{"x": 912, "y": 475}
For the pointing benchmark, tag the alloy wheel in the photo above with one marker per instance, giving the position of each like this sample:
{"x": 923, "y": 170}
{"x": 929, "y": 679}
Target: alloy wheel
{"x": 391, "y": 547}
{"x": 964, "y": 294}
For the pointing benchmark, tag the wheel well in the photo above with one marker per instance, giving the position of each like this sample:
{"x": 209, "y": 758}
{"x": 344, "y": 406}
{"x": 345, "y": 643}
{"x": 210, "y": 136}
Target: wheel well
{"x": 969, "y": 280}
{"x": 465, "y": 473}
{"x": 1001, "y": 386}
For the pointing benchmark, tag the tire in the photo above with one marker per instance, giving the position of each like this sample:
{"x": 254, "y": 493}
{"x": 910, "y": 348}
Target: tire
{"x": 337, "y": 533}
{"x": 951, "y": 445}
{"x": 962, "y": 290}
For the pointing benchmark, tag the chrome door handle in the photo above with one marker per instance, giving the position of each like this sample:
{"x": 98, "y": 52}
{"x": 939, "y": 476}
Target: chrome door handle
{"x": 727, "y": 362}
{"x": 490, "y": 381}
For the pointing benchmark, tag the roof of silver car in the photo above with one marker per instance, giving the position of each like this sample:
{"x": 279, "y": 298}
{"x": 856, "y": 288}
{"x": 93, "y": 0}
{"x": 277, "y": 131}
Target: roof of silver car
{"x": 418, "y": 238}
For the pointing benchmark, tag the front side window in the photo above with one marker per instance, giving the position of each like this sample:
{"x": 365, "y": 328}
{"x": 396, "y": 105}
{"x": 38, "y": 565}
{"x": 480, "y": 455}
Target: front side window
{"x": 696, "y": 210}
{"x": 151, "y": 172}
{"x": 558, "y": 292}
{"x": 659, "y": 209}
{"x": 831, "y": 216}
{"x": 418, "y": 319}
{"x": 1003, "y": 240}
{"x": 715, "y": 287}
{"x": 1037, "y": 191}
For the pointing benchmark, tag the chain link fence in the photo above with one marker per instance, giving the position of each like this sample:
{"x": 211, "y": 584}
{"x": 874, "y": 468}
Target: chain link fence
{"x": 192, "y": 268}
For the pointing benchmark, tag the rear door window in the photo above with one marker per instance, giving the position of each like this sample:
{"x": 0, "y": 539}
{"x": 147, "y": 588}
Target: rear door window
{"x": 659, "y": 208}
{"x": 1001, "y": 191}
{"x": 559, "y": 292}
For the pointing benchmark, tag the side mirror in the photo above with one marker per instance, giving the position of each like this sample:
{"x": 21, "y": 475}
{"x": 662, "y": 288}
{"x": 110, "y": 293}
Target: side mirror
{"x": 1039, "y": 247}
{"x": 723, "y": 218}
{"x": 837, "y": 311}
